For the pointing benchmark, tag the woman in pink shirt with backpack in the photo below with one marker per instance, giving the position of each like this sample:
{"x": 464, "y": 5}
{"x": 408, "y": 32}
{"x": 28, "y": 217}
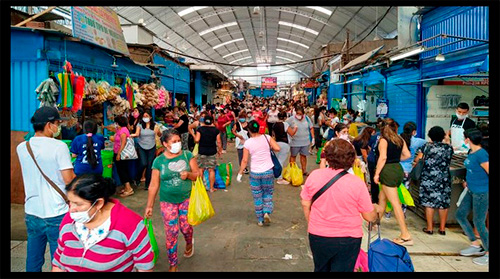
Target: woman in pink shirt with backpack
{"x": 335, "y": 203}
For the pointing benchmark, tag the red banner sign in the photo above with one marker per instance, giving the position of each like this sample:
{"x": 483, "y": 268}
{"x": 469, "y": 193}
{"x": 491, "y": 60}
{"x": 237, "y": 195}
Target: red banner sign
{"x": 269, "y": 82}
{"x": 482, "y": 82}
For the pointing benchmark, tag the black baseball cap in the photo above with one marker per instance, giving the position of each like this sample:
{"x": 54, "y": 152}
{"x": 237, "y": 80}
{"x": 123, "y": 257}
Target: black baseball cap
{"x": 45, "y": 114}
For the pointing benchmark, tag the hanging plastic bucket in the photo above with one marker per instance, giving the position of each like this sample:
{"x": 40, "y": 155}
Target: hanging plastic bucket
{"x": 107, "y": 163}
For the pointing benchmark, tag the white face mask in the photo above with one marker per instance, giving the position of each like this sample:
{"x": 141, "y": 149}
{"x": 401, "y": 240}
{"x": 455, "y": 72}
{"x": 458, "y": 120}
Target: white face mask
{"x": 176, "y": 147}
{"x": 346, "y": 122}
{"x": 146, "y": 119}
{"x": 344, "y": 137}
{"x": 83, "y": 217}
{"x": 461, "y": 117}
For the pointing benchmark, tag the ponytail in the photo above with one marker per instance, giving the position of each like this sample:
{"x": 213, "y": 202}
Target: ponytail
{"x": 90, "y": 127}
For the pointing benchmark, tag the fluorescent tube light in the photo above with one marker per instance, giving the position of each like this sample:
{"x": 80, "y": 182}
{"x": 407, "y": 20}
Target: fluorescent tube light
{"x": 239, "y": 51}
{"x": 190, "y": 10}
{"x": 218, "y": 27}
{"x": 298, "y": 27}
{"x": 293, "y": 42}
{"x": 320, "y": 9}
{"x": 289, "y": 52}
{"x": 228, "y": 42}
{"x": 408, "y": 53}
{"x": 284, "y": 58}
{"x": 240, "y": 59}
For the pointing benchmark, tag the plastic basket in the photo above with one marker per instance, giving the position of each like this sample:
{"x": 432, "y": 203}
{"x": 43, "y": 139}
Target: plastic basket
{"x": 107, "y": 163}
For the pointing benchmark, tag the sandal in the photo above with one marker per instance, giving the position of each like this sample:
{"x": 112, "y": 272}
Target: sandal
{"x": 427, "y": 231}
{"x": 126, "y": 194}
{"x": 186, "y": 255}
{"x": 404, "y": 242}
{"x": 442, "y": 232}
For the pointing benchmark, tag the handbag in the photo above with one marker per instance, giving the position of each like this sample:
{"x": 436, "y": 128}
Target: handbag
{"x": 328, "y": 185}
{"x": 129, "y": 152}
{"x": 277, "y": 169}
{"x": 58, "y": 190}
{"x": 416, "y": 172}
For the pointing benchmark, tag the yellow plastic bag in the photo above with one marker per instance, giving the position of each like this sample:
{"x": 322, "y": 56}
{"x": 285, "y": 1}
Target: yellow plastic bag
{"x": 286, "y": 173}
{"x": 296, "y": 174}
{"x": 357, "y": 170}
{"x": 200, "y": 208}
{"x": 195, "y": 150}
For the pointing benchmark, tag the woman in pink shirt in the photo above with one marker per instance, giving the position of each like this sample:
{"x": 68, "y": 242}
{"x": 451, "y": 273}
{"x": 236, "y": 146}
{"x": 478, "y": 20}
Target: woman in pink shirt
{"x": 120, "y": 139}
{"x": 336, "y": 217}
{"x": 261, "y": 171}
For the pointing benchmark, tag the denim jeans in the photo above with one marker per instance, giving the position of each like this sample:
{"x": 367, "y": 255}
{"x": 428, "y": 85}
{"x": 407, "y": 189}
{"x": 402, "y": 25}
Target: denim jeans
{"x": 478, "y": 203}
{"x": 223, "y": 137}
{"x": 41, "y": 231}
{"x": 146, "y": 158}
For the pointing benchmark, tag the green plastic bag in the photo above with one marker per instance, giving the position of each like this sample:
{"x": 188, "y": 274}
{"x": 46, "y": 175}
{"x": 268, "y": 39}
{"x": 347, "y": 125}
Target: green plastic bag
{"x": 152, "y": 239}
{"x": 229, "y": 133}
{"x": 318, "y": 159}
{"x": 226, "y": 172}
{"x": 404, "y": 197}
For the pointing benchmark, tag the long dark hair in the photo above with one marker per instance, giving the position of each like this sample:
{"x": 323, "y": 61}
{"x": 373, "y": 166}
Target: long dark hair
{"x": 408, "y": 129}
{"x": 151, "y": 122}
{"x": 92, "y": 187}
{"x": 365, "y": 136}
{"x": 90, "y": 128}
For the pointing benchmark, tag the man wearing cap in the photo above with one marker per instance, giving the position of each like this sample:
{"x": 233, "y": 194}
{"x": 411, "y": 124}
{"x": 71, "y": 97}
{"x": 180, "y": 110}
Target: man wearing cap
{"x": 44, "y": 207}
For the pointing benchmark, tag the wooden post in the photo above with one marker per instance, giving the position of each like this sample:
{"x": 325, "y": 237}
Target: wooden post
{"x": 35, "y": 16}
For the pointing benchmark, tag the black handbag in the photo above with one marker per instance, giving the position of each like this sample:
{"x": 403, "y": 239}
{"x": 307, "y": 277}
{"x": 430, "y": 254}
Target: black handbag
{"x": 416, "y": 172}
{"x": 277, "y": 169}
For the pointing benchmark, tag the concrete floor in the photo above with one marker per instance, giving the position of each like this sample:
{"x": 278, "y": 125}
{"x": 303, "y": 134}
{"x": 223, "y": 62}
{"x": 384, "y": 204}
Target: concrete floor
{"x": 232, "y": 241}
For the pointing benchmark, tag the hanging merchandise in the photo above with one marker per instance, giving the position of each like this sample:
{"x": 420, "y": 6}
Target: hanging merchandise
{"x": 150, "y": 98}
{"x": 91, "y": 92}
{"x": 66, "y": 100}
{"x": 48, "y": 92}
{"x": 79, "y": 89}
{"x": 129, "y": 91}
{"x": 162, "y": 94}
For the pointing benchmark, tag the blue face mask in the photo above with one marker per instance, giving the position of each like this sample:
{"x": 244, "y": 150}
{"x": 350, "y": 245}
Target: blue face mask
{"x": 202, "y": 119}
{"x": 242, "y": 120}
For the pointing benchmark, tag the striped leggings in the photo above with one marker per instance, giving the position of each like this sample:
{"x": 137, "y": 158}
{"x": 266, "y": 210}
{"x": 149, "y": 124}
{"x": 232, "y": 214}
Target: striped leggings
{"x": 262, "y": 185}
{"x": 175, "y": 214}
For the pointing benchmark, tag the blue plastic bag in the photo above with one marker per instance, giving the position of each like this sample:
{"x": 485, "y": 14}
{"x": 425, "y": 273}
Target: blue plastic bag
{"x": 206, "y": 179}
{"x": 219, "y": 183}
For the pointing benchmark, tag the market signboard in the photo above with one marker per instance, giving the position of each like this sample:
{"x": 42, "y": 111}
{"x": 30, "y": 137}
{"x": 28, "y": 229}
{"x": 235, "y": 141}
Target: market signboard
{"x": 269, "y": 82}
{"x": 99, "y": 25}
{"x": 469, "y": 82}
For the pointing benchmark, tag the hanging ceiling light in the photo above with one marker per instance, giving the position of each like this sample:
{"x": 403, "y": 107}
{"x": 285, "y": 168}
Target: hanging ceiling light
{"x": 256, "y": 10}
{"x": 440, "y": 57}
{"x": 261, "y": 34}
{"x": 412, "y": 52}
{"x": 263, "y": 48}
{"x": 141, "y": 22}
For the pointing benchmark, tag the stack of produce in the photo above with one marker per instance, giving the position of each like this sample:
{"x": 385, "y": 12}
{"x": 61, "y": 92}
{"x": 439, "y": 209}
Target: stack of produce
{"x": 47, "y": 93}
{"x": 120, "y": 106}
{"x": 150, "y": 95}
{"x": 162, "y": 98}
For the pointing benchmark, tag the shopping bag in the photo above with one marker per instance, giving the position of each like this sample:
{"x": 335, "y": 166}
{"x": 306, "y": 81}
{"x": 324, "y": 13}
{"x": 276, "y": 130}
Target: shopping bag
{"x": 286, "y": 173}
{"x": 229, "y": 133}
{"x": 226, "y": 172}
{"x": 195, "y": 150}
{"x": 200, "y": 208}
{"x": 219, "y": 182}
{"x": 361, "y": 262}
{"x": 152, "y": 239}
{"x": 206, "y": 180}
{"x": 129, "y": 152}
{"x": 404, "y": 197}
{"x": 296, "y": 174}
{"x": 356, "y": 168}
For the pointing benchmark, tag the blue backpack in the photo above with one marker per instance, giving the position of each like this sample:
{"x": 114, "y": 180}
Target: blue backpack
{"x": 387, "y": 256}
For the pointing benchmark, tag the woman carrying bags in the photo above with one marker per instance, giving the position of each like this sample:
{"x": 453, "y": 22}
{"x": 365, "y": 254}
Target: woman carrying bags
{"x": 240, "y": 131}
{"x": 388, "y": 172}
{"x": 173, "y": 173}
{"x": 257, "y": 147}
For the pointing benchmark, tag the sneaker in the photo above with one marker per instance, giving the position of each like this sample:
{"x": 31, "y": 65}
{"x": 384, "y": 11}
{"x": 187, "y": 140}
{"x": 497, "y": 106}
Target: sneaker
{"x": 387, "y": 215}
{"x": 260, "y": 224}
{"x": 282, "y": 182}
{"x": 267, "y": 219}
{"x": 472, "y": 251}
{"x": 481, "y": 260}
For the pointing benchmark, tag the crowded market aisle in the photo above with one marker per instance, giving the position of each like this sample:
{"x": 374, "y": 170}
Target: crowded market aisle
{"x": 231, "y": 240}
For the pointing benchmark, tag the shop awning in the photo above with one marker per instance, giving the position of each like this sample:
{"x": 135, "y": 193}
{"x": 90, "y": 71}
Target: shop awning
{"x": 212, "y": 69}
{"x": 443, "y": 77}
{"x": 363, "y": 58}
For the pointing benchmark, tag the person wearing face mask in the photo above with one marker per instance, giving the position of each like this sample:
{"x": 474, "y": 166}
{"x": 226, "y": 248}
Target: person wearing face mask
{"x": 281, "y": 133}
{"x": 458, "y": 125}
{"x": 87, "y": 150}
{"x": 210, "y": 144}
{"x": 272, "y": 118}
{"x": 100, "y": 234}
{"x": 301, "y": 140}
{"x": 341, "y": 131}
{"x": 182, "y": 127}
{"x": 240, "y": 130}
{"x": 44, "y": 208}
{"x": 147, "y": 132}
{"x": 173, "y": 174}
{"x": 134, "y": 119}
{"x": 435, "y": 181}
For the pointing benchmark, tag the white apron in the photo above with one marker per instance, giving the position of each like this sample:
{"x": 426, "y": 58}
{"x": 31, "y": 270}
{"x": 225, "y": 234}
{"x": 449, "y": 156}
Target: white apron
{"x": 457, "y": 137}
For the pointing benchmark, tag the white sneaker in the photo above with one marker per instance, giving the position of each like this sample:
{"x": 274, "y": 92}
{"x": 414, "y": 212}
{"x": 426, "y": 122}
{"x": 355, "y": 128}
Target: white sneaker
{"x": 472, "y": 251}
{"x": 481, "y": 260}
{"x": 282, "y": 182}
